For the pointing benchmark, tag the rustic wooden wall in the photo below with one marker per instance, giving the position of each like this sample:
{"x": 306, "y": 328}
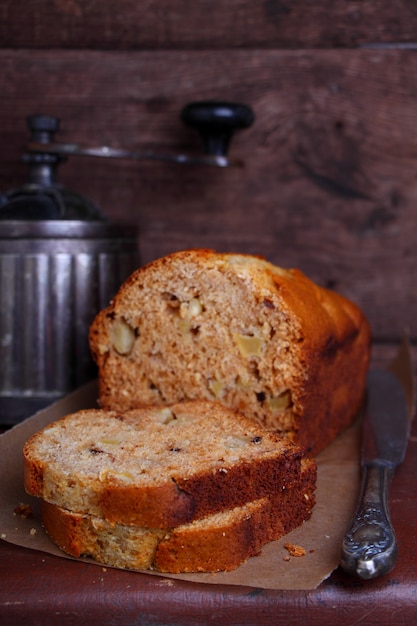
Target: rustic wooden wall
{"x": 330, "y": 177}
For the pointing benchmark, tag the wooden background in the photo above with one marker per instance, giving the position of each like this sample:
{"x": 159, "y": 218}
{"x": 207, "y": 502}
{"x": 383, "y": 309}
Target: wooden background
{"x": 330, "y": 177}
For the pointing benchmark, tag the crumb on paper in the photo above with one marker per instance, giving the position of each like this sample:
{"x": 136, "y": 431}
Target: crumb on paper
{"x": 295, "y": 550}
{"x": 24, "y": 510}
{"x": 165, "y": 582}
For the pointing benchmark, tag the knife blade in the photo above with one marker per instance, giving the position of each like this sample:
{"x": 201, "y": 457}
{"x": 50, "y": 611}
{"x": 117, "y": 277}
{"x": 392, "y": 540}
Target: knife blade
{"x": 370, "y": 548}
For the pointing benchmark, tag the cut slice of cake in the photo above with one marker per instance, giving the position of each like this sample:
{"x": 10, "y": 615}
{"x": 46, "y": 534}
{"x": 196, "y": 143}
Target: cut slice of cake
{"x": 158, "y": 467}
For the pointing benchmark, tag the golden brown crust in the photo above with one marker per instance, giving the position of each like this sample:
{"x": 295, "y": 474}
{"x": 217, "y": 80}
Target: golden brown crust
{"x": 33, "y": 477}
{"x": 81, "y": 534}
{"x": 191, "y": 497}
{"x": 315, "y": 344}
{"x": 217, "y": 543}
{"x": 193, "y": 549}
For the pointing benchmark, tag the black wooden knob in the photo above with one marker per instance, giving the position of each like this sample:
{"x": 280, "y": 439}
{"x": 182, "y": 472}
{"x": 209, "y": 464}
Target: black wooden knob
{"x": 42, "y": 127}
{"x": 216, "y": 123}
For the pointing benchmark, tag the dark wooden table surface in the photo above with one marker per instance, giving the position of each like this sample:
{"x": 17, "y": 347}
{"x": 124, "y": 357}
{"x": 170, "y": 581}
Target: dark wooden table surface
{"x": 37, "y": 588}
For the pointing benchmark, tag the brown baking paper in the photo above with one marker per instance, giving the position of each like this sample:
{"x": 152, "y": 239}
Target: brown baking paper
{"x": 321, "y": 536}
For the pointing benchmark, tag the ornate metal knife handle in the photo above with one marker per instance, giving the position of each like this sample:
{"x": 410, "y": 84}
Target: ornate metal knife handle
{"x": 370, "y": 546}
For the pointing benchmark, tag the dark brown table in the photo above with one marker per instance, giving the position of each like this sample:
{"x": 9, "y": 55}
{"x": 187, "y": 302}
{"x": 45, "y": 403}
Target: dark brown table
{"x": 37, "y": 588}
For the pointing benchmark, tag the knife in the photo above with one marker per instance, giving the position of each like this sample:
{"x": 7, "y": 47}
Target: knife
{"x": 370, "y": 546}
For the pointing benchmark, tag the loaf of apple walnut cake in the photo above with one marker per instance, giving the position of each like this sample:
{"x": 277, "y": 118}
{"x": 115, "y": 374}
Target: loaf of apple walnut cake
{"x": 234, "y": 328}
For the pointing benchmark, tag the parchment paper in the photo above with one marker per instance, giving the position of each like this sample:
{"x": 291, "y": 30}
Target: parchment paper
{"x": 321, "y": 536}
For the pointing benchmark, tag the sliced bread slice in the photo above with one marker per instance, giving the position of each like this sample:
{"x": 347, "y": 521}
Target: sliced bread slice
{"x": 158, "y": 467}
